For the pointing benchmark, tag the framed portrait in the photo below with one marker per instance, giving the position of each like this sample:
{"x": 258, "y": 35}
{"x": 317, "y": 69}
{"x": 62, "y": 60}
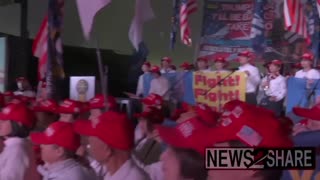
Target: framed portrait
{"x": 82, "y": 88}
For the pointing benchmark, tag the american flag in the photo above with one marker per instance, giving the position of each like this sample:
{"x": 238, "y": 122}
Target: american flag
{"x": 295, "y": 18}
{"x": 40, "y": 48}
{"x": 187, "y": 7}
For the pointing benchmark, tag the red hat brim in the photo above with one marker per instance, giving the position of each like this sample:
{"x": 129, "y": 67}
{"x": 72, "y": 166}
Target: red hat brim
{"x": 40, "y": 138}
{"x": 62, "y": 110}
{"x": 172, "y": 137}
{"x": 306, "y": 113}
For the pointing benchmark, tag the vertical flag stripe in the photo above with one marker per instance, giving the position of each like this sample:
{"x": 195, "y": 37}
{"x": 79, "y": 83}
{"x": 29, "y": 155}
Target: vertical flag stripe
{"x": 295, "y": 18}
{"x": 187, "y": 7}
{"x": 40, "y": 48}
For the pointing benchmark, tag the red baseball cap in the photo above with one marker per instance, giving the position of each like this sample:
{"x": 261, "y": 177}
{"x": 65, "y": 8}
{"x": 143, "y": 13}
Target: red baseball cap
{"x": 113, "y": 128}
{"x": 184, "y": 134}
{"x": 58, "y": 133}
{"x": 307, "y": 56}
{"x": 153, "y": 100}
{"x": 186, "y": 66}
{"x": 19, "y": 113}
{"x": 206, "y": 114}
{"x": 220, "y": 59}
{"x": 147, "y": 63}
{"x": 2, "y": 99}
{"x": 152, "y": 114}
{"x": 167, "y": 59}
{"x": 313, "y": 113}
{"x": 203, "y": 59}
{"x": 276, "y": 62}
{"x": 241, "y": 123}
{"x": 185, "y": 107}
{"x": 97, "y": 102}
{"x": 49, "y": 105}
{"x": 155, "y": 69}
{"x": 245, "y": 54}
{"x": 69, "y": 106}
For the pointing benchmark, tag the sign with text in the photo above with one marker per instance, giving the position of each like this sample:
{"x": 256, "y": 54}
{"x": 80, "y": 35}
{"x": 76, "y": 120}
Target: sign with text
{"x": 261, "y": 158}
{"x": 227, "y": 27}
{"x": 215, "y": 89}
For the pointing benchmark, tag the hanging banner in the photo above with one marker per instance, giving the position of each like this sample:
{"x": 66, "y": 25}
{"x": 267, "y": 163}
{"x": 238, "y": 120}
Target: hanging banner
{"x": 227, "y": 27}
{"x": 207, "y": 90}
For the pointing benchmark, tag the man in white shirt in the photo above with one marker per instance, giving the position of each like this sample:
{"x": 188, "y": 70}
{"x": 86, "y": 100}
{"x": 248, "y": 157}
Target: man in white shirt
{"x": 159, "y": 85}
{"x": 274, "y": 87}
{"x": 307, "y": 71}
{"x": 252, "y": 74}
{"x": 202, "y": 64}
{"x": 140, "y": 88}
{"x": 165, "y": 65}
{"x": 110, "y": 140}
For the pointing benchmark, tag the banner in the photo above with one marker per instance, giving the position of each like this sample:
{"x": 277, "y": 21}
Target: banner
{"x": 208, "y": 91}
{"x": 299, "y": 94}
{"x": 227, "y": 27}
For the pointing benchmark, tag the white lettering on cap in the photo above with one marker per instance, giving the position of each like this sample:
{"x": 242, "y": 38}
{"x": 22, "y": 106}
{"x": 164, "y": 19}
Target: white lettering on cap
{"x": 237, "y": 111}
{"x": 186, "y": 129}
{"x": 49, "y": 131}
{"x": 6, "y": 110}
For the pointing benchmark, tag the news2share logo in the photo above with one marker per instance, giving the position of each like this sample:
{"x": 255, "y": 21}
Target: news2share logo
{"x": 260, "y": 158}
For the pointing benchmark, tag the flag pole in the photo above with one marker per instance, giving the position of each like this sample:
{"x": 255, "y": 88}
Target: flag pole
{"x": 103, "y": 74}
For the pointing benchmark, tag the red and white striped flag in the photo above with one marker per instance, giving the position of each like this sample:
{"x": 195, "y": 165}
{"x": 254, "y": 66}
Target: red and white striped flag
{"x": 295, "y": 18}
{"x": 40, "y": 48}
{"x": 187, "y": 7}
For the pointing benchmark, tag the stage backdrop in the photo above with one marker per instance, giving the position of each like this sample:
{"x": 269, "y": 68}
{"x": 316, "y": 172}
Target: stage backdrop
{"x": 231, "y": 26}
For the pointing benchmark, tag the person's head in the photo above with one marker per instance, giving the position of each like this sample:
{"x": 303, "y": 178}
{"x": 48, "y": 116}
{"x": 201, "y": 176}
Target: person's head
{"x": 166, "y": 62}
{"x": 16, "y": 120}
{"x": 220, "y": 63}
{"x": 183, "y": 159}
{"x": 58, "y": 142}
{"x": 110, "y": 136}
{"x": 202, "y": 63}
{"x": 45, "y": 112}
{"x": 181, "y": 163}
{"x": 306, "y": 61}
{"x": 146, "y": 67}
{"x": 152, "y": 100}
{"x": 22, "y": 83}
{"x": 244, "y": 57}
{"x": 275, "y": 66}
{"x": 150, "y": 117}
{"x": 155, "y": 70}
{"x": 68, "y": 110}
{"x": 186, "y": 66}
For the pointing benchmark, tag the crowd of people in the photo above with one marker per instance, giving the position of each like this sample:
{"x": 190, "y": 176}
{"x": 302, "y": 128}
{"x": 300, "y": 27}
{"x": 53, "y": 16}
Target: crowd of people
{"x": 73, "y": 140}
{"x": 267, "y": 88}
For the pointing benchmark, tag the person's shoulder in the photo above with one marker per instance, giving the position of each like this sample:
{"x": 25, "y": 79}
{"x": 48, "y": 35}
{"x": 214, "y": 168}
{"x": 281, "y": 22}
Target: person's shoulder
{"x": 79, "y": 172}
{"x": 137, "y": 174}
